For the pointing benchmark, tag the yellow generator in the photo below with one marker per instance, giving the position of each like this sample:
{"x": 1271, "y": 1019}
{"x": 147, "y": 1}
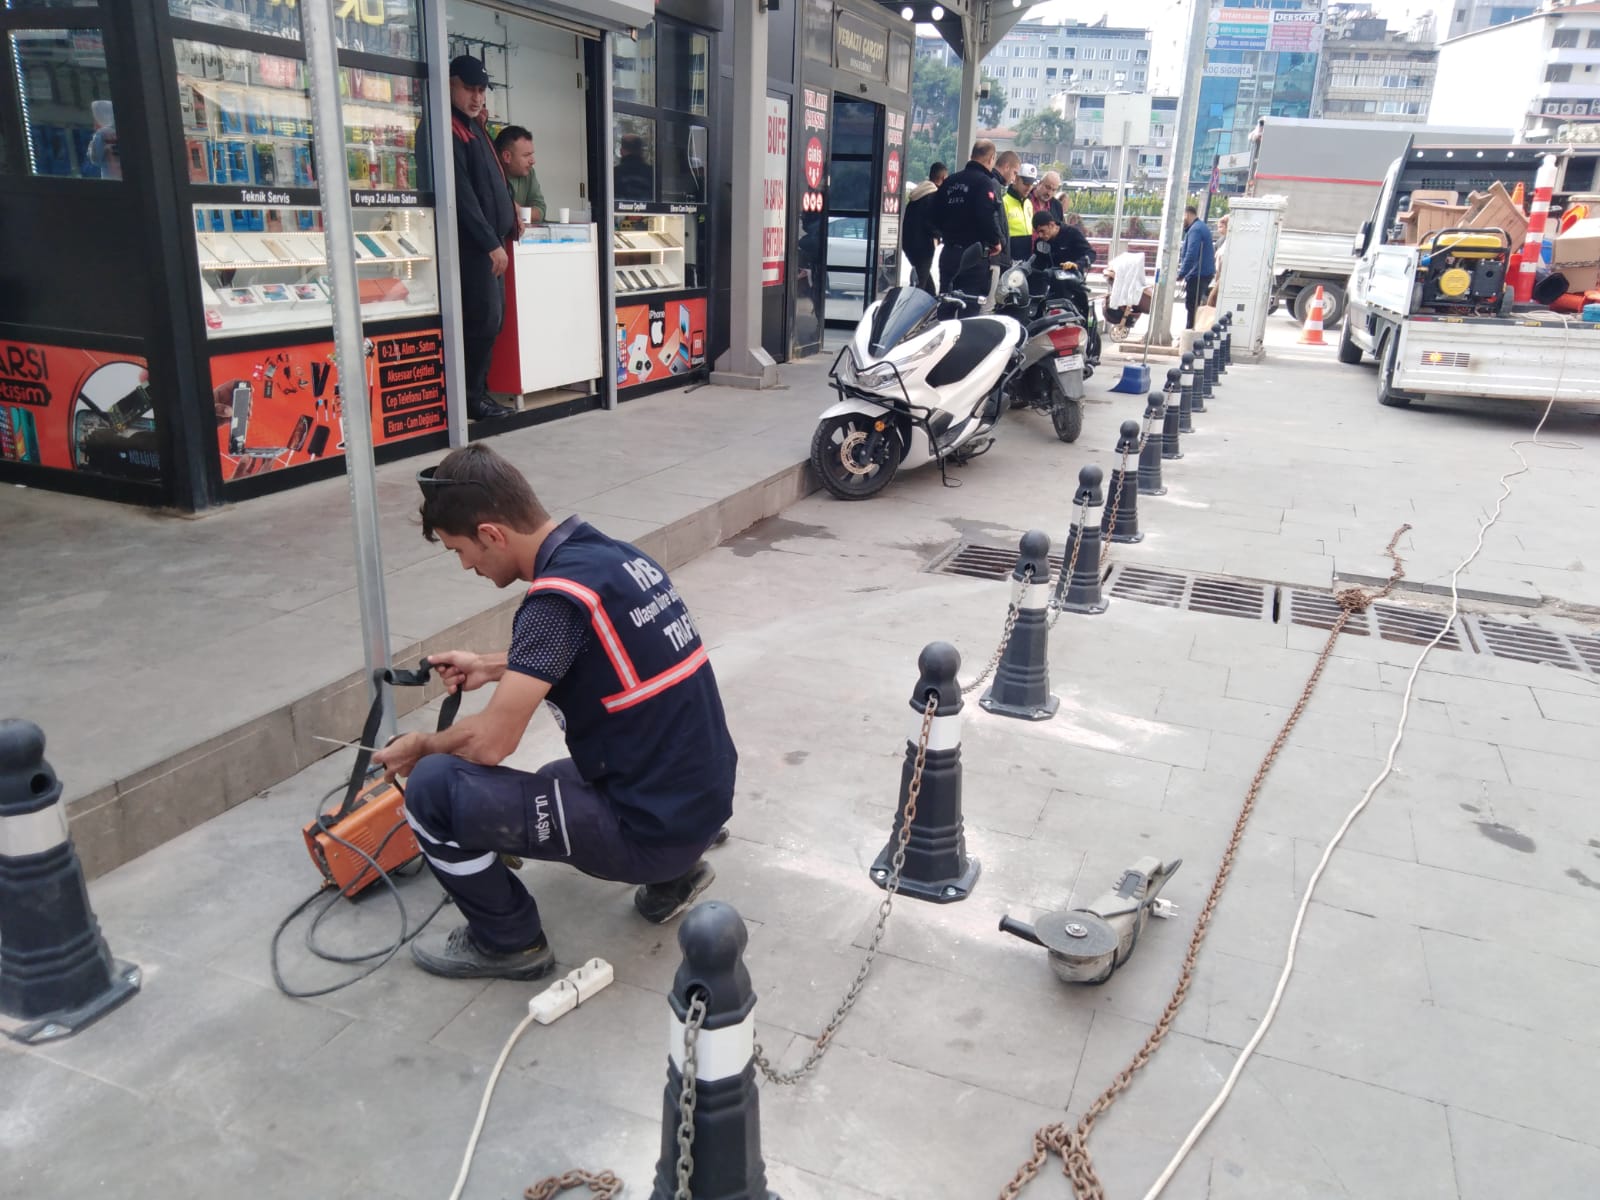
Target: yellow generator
{"x": 1462, "y": 271}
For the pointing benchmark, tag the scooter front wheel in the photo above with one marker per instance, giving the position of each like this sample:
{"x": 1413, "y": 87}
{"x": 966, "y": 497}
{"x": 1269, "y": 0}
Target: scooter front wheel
{"x": 853, "y": 459}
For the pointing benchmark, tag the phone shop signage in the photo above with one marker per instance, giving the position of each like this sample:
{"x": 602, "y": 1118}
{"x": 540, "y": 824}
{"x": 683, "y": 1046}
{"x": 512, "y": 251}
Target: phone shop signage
{"x": 859, "y": 46}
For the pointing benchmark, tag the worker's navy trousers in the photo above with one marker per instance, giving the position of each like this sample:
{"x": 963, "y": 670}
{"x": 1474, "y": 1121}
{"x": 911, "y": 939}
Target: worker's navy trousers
{"x": 465, "y": 816}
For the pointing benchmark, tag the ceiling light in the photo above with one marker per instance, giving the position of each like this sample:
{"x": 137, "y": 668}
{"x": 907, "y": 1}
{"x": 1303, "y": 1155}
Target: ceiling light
{"x": 907, "y": 13}
{"x": 938, "y": 12}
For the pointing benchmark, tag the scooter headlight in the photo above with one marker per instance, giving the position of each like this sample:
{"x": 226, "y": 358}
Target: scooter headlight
{"x": 886, "y": 376}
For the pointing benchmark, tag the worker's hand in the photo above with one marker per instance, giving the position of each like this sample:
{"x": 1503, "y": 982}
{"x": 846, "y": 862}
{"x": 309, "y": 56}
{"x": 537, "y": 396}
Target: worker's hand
{"x": 461, "y": 670}
{"x": 498, "y": 260}
{"x": 994, "y": 251}
{"x": 400, "y": 755}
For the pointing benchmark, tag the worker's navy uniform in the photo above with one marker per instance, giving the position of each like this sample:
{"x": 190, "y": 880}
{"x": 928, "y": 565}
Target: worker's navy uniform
{"x": 650, "y": 780}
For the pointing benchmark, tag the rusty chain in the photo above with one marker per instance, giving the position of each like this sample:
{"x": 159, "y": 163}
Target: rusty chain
{"x": 896, "y": 865}
{"x": 1071, "y": 1144}
{"x": 1013, "y": 610}
{"x": 1069, "y": 566}
{"x": 605, "y": 1185}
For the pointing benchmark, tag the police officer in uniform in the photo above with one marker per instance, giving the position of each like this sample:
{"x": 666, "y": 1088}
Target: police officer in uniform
{"x": 969, "y": 211}
{"x": 604, "y": 640}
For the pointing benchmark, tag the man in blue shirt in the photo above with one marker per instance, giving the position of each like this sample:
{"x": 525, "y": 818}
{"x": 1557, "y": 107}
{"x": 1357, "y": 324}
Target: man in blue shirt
{"x": 1198, "y": 263}
{"x": 606, "y": 643}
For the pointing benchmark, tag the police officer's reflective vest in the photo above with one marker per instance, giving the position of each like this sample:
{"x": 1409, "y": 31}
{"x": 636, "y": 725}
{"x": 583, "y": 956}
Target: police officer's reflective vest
{"x": 643, "y": 717}
{"x": 1019, "y": 215}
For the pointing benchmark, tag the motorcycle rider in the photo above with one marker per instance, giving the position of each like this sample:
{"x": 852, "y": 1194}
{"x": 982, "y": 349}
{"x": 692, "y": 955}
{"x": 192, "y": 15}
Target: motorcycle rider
{"x": 969, "y": 212}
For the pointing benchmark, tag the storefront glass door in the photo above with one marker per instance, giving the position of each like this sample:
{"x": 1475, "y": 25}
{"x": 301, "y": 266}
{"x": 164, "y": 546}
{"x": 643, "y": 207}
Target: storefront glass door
{"x": 852, "y": 226}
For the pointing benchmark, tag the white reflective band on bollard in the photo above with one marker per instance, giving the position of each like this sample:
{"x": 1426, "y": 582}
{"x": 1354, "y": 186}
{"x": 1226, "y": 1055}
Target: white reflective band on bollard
{"x": 943, "y": 734}
{"x": 1036, "y": 597}
{"x": 34, "y": 832}
{"x": 719, "y": 1053}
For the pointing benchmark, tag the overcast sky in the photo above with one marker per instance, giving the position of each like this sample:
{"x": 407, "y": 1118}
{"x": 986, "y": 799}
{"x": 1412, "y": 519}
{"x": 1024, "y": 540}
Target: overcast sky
{"x": 1168, "y": 19}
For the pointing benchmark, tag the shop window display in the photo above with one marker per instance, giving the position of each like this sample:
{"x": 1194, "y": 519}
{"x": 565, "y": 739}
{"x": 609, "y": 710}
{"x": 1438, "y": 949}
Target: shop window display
{"x": 64, "y": 93}
{"x": 387, "y": 27}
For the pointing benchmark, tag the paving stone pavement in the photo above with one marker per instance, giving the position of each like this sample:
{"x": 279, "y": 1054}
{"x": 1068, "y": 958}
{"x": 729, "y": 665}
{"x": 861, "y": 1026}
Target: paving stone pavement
{"x": 1437, "y": 1038}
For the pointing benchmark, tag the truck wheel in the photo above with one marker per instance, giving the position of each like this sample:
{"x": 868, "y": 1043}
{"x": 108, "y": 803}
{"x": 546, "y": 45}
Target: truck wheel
{"x": 1333, "y": 304}
{"x": 1388, "y": 359}
{"x": 1349, "y": 352}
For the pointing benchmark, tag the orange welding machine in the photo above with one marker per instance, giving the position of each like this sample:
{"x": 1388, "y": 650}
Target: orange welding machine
{"x": 367, "y": 835}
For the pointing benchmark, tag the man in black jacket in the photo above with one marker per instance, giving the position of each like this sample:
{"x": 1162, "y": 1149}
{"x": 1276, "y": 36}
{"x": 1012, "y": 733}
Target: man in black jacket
{"x": 969, "y": 212}
{"x": 920, "y": 230}
{"x": 484, "y": 220}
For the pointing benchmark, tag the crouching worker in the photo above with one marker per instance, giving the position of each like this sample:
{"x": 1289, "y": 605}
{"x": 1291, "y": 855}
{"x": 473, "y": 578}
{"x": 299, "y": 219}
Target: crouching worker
{"x": 606, "y": 643}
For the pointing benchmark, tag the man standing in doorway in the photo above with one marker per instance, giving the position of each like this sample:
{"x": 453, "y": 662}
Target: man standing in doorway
{"x": 969, "y": 212}
{"x": 920, "y": 234}
{"x": 603, "y": 634}
{"x": 1198, "y": 263}
{"x": 514, "y": 146}
{"x": 484, "y": 220}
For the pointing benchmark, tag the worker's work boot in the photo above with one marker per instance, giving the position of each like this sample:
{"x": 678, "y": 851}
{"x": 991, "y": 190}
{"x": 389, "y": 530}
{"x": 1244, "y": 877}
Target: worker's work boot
{"x": 658, "y": 903}
{"x": 457, "y": 955}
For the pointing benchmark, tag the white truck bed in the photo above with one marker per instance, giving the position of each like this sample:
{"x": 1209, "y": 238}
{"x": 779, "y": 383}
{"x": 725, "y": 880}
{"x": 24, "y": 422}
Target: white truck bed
{"x": 1525, "y": 357}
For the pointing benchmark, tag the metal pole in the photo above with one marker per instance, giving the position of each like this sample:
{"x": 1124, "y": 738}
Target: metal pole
{"x": 338, "y": 231}
{"x": 1122, "y": 185}
{"x": 605, "y": 223}
{"x": 746, "y": 363}
{"x": 971, "y": 66}
{"x": 1211, "y": 188}
{"x": 442, "y": 156}
{"x": 1178, "y": 178}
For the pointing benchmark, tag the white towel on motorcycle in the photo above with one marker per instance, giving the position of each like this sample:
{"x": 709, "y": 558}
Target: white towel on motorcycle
{"x": 1127, "y": 275}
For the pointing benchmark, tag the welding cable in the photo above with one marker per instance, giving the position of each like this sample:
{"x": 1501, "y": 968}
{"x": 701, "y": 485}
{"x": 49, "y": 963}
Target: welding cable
{"x": 382, "y": 955}
{"x": 1388, "y": 767}
{"x": 483, "y": 1108}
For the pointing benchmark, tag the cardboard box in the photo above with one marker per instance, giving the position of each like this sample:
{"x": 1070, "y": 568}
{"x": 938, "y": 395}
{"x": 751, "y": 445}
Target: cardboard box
{"x": 1576, "y": 254}
{"x": 1493, "y": 209}
{"x": 1422, "y": 219}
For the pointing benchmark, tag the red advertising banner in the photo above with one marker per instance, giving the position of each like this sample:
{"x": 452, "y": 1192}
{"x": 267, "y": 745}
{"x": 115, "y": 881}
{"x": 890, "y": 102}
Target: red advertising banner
{"x": 814, "y": 147}
{"x": 660, "y": 340}
{"x": 281, "y": 407}
{"x": 78, "y": 410}
{"x": 775, "y": 196}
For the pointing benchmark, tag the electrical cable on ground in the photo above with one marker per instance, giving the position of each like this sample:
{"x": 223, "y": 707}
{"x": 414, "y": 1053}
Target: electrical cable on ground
{"x": 483, "y": 1108}
{"x": 382, "y": 955}
{"x": 1388, "y": 767}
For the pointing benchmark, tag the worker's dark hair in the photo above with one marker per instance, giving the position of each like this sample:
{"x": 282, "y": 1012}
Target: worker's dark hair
{"x": 1191, "y": 210}
{"x": 1044, "y": 217}
{"x": 510, "y": 136}
{"x": 474, "y": 486}
{"x": 937, "y": 172}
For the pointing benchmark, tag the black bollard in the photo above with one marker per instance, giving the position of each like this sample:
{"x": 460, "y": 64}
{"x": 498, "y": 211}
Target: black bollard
{"x": 56, "y": 971}
{"x": 1206, "y": 377}
{"x": 1219, "y": 337}
{"x": 1186, "y": 397}
{"x": 937, "y": 867}
{"x": 726, "y": 1152}
{"x": 1227, "y": 339}
{"x": 1193, "y": 401}
{"x": 1150, "y": 457}
{"x": 1021, "y": 685}
{"x": 1172, "y": 447}
{"x": 1122, "y": 494}
{"x": 1080, "y": 592}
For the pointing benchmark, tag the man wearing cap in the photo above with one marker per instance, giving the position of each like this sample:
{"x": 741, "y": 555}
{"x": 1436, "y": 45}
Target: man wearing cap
{"x": 1018, "y": 207}
{"x": 484, "y": 220}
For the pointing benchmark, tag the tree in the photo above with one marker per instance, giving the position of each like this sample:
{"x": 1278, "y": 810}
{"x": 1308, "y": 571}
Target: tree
{"x": 1047, "y": 133}
{"x": 936, "y": 115}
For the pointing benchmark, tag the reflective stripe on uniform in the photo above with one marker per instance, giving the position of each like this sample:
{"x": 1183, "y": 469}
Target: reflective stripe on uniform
{"x": 656, "y": 684}
{"x": 604, "y": 630}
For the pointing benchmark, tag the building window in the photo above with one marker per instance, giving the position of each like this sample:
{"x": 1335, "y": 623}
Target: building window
{"x": 1049, "y": 72}
{"x": 1141, "y": 56}
{"x": 1565, "y": 39}
{"x": 1014, "y": 113}
{"x": 1594, "y": 39}
{"x": 1461, "y": 14}
{"x": 1053, "y": 52}
{"x": 1558, "y": 73}
{"x": 1138, "y": 76}
{"x": 1069, "y": 52}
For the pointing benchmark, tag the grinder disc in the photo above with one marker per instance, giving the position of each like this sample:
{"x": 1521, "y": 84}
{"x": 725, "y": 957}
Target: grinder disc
{"x": 1076, "y": 934}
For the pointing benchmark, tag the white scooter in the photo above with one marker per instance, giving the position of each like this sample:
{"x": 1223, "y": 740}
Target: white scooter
{"x": 916, "y": 384}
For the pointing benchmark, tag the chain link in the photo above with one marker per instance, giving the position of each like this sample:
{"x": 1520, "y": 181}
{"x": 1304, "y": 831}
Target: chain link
{"x": 897, "y": 864}
{"x": 1068, "y": 567}
{"x": 1071, "y": 1144}
{"x": 1013, "y": 611}
{"x": 603, "y": 1184}
{"x": 686, "y": 1097}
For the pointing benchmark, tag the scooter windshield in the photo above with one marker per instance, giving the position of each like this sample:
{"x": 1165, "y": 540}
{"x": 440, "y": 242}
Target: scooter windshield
{"x": 903, "y": 313}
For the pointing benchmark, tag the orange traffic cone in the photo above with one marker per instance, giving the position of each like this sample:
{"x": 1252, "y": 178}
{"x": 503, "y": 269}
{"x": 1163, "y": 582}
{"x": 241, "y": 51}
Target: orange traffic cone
{"x": 1519, "y": 197}
{"x": 1311, "y": 335}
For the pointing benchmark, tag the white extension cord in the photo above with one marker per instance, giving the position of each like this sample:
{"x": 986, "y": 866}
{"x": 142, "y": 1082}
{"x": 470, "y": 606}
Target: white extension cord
{"x": 559, "y": 998}
{"x": 1226, "y": 1090}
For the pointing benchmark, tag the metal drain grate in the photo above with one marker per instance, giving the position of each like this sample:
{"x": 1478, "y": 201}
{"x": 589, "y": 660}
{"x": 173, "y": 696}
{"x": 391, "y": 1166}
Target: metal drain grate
{"x": 1415, "y": 626}
{"x": 1524, "y": 643}
{"x": 977, "y": 561}
{"x": 1322, "y": 612}
{"x": 1587, "y": 647}
{"x": 1231, "y": 598}
{"x": 1149, "y": 587}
